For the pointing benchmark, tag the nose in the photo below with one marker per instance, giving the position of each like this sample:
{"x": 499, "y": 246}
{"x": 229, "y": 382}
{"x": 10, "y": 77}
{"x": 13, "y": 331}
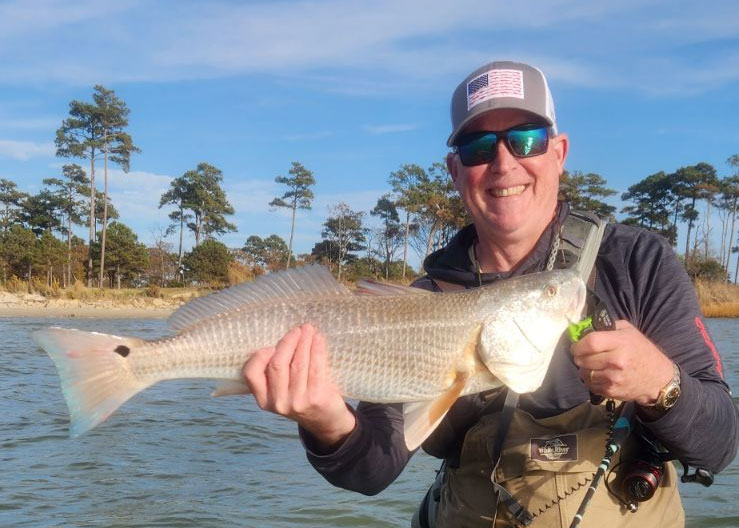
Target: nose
{"x": 504, "y": 161}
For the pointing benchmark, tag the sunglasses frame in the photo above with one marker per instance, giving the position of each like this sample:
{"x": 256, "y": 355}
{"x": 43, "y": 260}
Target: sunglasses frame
{"x": 502, "y": 135}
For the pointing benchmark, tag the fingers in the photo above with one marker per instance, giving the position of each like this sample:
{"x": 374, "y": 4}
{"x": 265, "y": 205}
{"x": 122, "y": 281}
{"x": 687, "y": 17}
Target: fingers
{"x": 597, "y": 379}
{"x": 254, "y": 374}
{"x": 278, "y": 372}
{"x": 318, "y": 370}
{"x": 300, "y": 363}
{"x": 589, "y": 357}
{"x": 599, "y": 360}
{"x": 292, "y": 379}
{"x": 622, "y": 364}
{"x": 280, "y": 377}
{"x": 604, "y": 350}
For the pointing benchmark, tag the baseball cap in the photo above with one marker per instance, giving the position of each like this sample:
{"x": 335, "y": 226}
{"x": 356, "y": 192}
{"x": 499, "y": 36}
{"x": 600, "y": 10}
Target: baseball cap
{"x": 497, "y": 85}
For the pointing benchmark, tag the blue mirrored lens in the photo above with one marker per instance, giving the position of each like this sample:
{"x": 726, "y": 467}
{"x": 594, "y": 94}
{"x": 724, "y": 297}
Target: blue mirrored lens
{"x": 526, "y": 143}
{"x": 477, "y": 149}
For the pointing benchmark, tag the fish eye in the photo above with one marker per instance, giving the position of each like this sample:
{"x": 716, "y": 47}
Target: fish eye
{"x": 550, "y": 290}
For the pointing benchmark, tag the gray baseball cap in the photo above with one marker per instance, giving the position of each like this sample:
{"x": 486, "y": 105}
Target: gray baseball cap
{"x": 497, "y": 85}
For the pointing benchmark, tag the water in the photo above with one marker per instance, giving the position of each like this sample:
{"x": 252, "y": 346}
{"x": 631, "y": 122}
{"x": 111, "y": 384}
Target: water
{"x": 174, "y": 457}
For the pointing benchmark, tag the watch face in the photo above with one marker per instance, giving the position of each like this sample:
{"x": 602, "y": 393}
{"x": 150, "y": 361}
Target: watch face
{"x": 671, "y": 397}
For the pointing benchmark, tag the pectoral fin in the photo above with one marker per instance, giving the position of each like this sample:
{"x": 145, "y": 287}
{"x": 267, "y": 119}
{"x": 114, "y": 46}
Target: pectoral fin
{"x": 230, "y": 388}
{"x": 421, "y": 418}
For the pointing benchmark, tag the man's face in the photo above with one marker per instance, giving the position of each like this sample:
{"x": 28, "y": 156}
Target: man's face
{"x": 510, "y": 199}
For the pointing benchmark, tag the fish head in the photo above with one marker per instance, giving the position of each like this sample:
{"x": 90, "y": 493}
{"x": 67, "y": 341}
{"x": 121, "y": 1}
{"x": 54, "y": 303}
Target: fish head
{"x": 524, "y": 320}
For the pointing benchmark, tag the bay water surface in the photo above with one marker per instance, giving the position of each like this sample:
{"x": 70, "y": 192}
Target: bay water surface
{"x": 173, "y": 456}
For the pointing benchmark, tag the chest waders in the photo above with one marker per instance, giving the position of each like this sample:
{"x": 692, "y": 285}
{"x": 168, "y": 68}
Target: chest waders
{"x": 517, "y": 470}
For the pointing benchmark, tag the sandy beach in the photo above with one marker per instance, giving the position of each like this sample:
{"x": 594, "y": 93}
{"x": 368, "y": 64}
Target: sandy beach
{"x": 31, "y": 305}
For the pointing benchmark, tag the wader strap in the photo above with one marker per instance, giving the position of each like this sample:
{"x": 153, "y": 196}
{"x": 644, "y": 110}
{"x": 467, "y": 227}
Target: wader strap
{"x": 593, "y": 234}
{"x": 502, "y": 496}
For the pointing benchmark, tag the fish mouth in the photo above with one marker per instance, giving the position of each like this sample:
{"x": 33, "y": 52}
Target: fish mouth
{"x": 526, "y": 337}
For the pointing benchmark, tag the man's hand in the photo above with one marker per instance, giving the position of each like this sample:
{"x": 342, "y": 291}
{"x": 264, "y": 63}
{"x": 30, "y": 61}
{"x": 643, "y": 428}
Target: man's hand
{"x": 291, "y": 379}
{"x": 622, "y": 364}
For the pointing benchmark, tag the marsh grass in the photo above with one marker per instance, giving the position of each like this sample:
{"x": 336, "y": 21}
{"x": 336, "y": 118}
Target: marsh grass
{"x": 718, "y": 299}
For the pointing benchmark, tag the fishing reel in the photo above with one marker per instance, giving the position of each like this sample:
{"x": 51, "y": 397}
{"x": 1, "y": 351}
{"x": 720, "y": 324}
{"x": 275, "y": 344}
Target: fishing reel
{"x": 642, "y": 475}
{"x": 641, "y": 480}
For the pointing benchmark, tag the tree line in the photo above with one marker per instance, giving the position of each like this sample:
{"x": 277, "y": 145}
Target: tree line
{"x": 421, "y": 213}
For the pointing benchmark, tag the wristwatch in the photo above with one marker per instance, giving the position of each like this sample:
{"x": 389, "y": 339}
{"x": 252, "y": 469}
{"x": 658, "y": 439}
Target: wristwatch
{"x": 670, "y": 393}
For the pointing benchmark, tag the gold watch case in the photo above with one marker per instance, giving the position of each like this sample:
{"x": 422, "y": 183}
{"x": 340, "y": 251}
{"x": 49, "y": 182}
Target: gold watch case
{"x": 669, "y": 395}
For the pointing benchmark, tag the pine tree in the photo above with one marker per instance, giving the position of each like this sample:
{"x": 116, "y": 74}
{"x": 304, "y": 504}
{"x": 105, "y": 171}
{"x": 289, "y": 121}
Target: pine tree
{"x": 90, "y": 130}
{"x": 70, "y": 192}
{"x": 298, "y": 196}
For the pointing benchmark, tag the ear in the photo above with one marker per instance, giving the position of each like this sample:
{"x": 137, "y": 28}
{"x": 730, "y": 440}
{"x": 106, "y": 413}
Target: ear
{"x": 561, "y": 147}
{"x": 451, "y": 165}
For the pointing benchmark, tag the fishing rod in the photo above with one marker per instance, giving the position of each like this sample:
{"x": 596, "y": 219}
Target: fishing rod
{"x": 620, "y": 430}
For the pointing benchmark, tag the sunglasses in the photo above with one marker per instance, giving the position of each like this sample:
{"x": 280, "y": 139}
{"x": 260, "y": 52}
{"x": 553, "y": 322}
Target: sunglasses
{"x": 524, "y": 141}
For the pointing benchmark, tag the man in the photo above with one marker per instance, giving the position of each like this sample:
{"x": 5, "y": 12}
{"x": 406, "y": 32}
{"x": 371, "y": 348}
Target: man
{"x": 506, "y": 161}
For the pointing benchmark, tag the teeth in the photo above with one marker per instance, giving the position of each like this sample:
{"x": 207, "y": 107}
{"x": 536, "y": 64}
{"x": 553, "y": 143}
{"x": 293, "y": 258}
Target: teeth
{"x": 510, "y": 191}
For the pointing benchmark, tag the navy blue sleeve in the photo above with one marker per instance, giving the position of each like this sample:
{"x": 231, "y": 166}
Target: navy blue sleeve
{"x": 652, "y": 290}
{"x": 373, "y": 455}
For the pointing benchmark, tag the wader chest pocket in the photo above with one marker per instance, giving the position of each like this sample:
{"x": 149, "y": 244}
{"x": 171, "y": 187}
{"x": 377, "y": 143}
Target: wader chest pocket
{"x": 549, "y": 473}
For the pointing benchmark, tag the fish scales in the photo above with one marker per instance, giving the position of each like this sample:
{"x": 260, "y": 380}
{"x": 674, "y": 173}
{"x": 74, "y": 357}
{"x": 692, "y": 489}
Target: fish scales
{"x": 382, "y": 349}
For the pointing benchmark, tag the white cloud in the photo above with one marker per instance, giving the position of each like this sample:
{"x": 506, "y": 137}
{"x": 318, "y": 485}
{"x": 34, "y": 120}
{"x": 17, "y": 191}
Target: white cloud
{"x": 30, "y": 123}
{"x": 252, "y": 196}
{"x": 358, "y": 48}
{"x": 136, "y": 195}
{"x": 34, "y": 17}
{"x": 697, "y": 24}
{"x": 142, "y": 181}
{"x": 25, "y": 150}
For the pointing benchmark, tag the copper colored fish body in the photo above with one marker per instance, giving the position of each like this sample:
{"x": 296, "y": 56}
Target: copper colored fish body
{"x": 388, "y": 344}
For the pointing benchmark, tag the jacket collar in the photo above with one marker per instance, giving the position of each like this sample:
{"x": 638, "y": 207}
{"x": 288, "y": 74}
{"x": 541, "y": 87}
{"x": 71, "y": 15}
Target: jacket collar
{"x": 452, "y": 263}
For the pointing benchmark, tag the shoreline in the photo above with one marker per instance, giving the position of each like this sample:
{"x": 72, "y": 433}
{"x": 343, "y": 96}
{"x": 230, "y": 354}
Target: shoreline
{"x": 29, "y": 305}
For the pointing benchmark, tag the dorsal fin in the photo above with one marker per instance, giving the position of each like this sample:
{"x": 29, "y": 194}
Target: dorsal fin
{"x": 370, "y": 287}
{"x": 303, "y": 283}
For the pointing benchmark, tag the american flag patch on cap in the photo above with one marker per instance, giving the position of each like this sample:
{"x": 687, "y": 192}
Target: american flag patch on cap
{"x": 494, "y": 83}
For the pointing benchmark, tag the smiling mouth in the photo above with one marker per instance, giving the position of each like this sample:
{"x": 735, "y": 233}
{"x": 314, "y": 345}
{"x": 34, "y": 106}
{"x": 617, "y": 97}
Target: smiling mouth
{"x": 508, "y": 191}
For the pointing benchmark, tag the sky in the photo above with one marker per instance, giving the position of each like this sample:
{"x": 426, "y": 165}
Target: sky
{"x": 353, "y": 90}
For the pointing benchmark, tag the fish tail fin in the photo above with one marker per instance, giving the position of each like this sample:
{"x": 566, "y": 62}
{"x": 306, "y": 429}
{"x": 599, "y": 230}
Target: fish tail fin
{"x": 94, "y": 372}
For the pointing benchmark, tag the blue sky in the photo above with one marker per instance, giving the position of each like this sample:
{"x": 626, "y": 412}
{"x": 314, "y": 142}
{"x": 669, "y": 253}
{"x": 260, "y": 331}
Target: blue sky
{"x": 355, "y": 89}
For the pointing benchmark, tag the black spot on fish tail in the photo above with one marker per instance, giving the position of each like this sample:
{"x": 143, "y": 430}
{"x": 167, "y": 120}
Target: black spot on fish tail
{"x": 123, "y": 350}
